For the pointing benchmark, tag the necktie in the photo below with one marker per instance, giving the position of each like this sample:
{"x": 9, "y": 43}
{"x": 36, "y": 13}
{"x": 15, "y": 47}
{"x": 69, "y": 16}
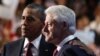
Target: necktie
{"x": 55, "y": 52}
{"x": 29, "y": 51}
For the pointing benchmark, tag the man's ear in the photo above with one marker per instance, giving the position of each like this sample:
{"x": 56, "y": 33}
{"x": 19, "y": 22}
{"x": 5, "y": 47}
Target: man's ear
{"x": 65, "y": 25}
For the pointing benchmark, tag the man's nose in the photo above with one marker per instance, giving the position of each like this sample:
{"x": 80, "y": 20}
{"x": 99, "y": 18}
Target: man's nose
{"x": 45, "y": 28}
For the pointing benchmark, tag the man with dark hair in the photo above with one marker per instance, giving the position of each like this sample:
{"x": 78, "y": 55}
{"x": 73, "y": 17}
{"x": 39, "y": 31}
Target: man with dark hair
{"x": 32, "y": 43}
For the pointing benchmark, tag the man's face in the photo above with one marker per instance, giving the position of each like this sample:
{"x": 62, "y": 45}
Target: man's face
{"x": 30, "y": 23}
{"x": 51, "y": 30}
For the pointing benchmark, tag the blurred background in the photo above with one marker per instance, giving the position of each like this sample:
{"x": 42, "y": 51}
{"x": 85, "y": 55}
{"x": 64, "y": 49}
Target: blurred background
{"x": 87, "y": 19}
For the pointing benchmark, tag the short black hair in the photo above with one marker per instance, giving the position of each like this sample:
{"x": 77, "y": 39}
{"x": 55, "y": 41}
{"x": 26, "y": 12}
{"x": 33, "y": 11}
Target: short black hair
{"x": 40, "y": 9}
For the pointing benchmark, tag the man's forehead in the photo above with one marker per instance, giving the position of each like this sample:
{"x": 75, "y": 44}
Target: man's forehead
{"x": 29, "y": 12}
{"x": 49, "y": 19}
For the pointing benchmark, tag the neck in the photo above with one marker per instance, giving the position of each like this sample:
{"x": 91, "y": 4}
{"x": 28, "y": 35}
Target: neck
{"x": 31, "y": 38}
{"x": 61, "y": 38}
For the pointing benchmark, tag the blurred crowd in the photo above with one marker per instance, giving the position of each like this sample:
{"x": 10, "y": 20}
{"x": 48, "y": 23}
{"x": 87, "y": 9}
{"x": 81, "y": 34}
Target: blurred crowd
{"x": 87, "y": 20}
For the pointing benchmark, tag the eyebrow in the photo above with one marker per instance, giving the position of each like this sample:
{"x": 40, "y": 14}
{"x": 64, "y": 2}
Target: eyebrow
{"x": 31, "y": 17}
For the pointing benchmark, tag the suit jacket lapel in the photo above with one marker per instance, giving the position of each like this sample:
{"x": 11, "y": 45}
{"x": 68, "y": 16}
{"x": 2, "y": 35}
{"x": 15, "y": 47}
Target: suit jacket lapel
{"x": 43, "y": 49}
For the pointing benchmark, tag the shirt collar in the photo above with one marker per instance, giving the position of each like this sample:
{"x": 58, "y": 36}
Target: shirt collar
{"x": 35, "y": 42}
{"x": 64, "y": 41}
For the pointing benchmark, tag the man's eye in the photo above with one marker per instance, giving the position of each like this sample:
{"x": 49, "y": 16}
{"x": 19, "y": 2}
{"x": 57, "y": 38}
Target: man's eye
{"x": 22, "y": 17}
{"x": 30, "y": 19}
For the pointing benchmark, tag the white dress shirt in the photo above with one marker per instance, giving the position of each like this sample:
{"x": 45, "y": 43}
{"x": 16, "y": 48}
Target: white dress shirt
{"x": 36, "y": 44}
{"x": 64, "y": 41}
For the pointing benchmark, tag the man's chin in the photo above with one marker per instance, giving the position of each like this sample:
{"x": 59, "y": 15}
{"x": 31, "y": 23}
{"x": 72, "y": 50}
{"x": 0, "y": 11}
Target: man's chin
{"x": 49, "y": 40}
{"x": 53, "y": 41}
{"x": 23, "y": 35}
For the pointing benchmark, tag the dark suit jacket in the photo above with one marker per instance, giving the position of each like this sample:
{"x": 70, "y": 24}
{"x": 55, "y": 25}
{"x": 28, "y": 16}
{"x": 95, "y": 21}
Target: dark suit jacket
{"x": 15, "y": 48}
{"x": 75, "y": 48}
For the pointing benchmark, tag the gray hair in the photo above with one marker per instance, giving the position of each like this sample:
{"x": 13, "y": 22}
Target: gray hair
{"x": 62, "y": 13}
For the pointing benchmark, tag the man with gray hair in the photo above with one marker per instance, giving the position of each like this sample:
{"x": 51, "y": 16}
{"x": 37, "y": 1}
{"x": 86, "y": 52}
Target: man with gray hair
{"x": 59, "y": 29}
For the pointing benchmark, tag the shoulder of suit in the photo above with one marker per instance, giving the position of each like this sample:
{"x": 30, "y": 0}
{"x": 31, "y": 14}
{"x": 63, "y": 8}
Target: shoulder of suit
{"x": 75, "y": 49}
{"x": 14, "y": 42}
